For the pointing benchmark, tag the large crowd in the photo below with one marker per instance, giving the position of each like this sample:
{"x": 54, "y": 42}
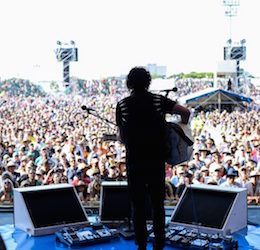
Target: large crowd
{"x": 20, "y": 87}
{"x": 51, "y": 140}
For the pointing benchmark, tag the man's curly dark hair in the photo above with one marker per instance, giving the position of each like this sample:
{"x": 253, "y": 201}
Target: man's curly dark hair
{"x": 138, "y": 79}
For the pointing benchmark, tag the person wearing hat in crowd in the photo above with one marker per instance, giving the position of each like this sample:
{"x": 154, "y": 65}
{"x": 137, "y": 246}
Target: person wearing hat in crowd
{"x": 202, "y": 140}
{"x": 216, "y": 160}
{"x": 227, "y": 162}
{"x": 217, "y": 173}
{"x": 192, "y": 167}
{"x": 183, "y": 182}
{"x": 210, "y": 144}
{"x": 205, "y": 155}
{"x": 26, "y": 142}
{"x": 12, "y": 167}
{"x": 253, "y": 187}
{"x": 6, "y": 158}
{"x": 95, "y": 185}
{"x": 243, "y": 177}
{"x": 232, "y": 174}
{"x": 251, "y": 164}
{"x": 141, "y": 122}
{"x": 196, "y": 160}
{"x": 205, "y": 173}
{"x": 25, "y": 183}
{"x": 93, "y": 166}
{"x": 179, "y": 174}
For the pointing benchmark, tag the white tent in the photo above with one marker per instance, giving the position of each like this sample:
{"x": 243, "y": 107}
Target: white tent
{"x": 160, "y": 84}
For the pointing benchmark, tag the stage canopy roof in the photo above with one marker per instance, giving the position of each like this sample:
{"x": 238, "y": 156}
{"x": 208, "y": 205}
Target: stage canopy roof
{"x": 214, "y": 96}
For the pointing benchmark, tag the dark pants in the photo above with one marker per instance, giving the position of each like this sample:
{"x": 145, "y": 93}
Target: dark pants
{"x": 151, "y": 177}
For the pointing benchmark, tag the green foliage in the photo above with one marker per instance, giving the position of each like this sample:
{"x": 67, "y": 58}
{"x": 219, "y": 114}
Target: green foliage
{"x": 195, "y": 75}
{"x": 155, "y": 76}
{"x": 54, "y": 86}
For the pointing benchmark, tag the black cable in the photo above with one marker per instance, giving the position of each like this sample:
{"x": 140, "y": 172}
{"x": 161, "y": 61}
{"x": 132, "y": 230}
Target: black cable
{"x": 252, "y": 223}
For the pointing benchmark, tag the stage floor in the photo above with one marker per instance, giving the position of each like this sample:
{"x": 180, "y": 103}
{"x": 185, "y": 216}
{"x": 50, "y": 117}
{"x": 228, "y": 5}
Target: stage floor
{"x": 248, "y": 238}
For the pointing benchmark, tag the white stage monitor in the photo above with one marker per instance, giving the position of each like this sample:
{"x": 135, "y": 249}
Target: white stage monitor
{"x": 45, "y": 209}
{"x": 212, "y": 209}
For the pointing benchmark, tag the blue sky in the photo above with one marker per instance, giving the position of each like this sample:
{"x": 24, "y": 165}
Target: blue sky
{"x": 115, "y": 35}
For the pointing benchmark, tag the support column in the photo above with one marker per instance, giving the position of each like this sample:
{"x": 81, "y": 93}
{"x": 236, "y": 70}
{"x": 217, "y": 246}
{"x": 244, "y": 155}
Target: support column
{"x": 237, "y": 76}
{"x": 66, "y": 72}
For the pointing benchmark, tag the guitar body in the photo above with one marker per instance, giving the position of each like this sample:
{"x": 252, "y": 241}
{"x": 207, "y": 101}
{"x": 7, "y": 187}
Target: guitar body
{"x": 179, "y": 143}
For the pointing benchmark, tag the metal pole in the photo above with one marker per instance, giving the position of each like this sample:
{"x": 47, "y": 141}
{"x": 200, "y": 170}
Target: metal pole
{"x": 230, "y": 22}
{"x": 66, "y": 71}
{"x": 219, "y": 102}
{"x": 237, "y": 75}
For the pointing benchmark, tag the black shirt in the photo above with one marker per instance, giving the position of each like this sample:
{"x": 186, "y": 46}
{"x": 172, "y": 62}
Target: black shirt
{"x": 141, "y": 121}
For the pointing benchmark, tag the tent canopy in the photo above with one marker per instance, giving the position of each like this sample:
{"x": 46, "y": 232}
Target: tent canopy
{"x": 214, "y": 96}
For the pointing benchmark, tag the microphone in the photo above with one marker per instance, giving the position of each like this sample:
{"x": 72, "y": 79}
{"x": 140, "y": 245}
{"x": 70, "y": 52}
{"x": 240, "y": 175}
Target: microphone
{"x": 174, "y": 89}
{"x": 85, "y": 108}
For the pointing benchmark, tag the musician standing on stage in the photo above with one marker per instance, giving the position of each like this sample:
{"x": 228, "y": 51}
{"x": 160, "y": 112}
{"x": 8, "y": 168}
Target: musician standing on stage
{"x": 141, "y": 121}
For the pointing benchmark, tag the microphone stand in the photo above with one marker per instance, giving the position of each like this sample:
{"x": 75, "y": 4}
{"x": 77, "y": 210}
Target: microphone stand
{"x": 94, "y": 113}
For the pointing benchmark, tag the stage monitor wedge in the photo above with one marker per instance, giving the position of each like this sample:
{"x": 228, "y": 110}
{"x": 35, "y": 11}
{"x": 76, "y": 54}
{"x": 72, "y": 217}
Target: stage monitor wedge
{"x": 45, "y": 209}
{"x": 115, "y": 206}
{"x": 211, "y": 209}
